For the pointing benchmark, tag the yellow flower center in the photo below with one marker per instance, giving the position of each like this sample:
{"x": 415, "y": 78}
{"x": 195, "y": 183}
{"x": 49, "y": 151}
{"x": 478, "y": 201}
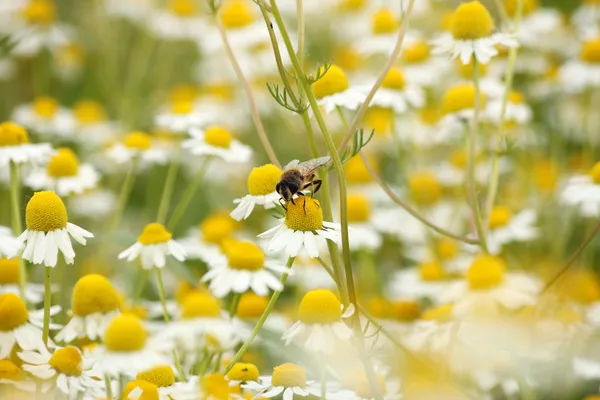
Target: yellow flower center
{"x": 380, "y": 119}
{"x": 94, "y": 293}
{"x": 243, "y": 372}
{"x": 184, "y": 288}
{"x": 13, "y": 312}
{"x": 320, "y": 306}
{"x": 356, "y": 171}
{"x": 12, "y": 134}
{"x": 363, "y": 386}
{"x": 458, "y": 158}
{"x": 581, "y": 286}
{"x": 215, "y": 386}
{"x": 416, "y": 52}
{"x": 45, "y": 212}
{"x": 246, "y": 255}
{"x": 10, "y": 371}
{"x": 149, "y": 390}
{"x": 485, "y": 272}
{"x": 200, "y": 305}
{"x": 471, "y": 21}
{"x": 305, "y": 215}
{"x": 136, "y": 310}
{"x": 183, "y": 93}
{"x": 359, "y": 208}
{"x": 9, "y": 271}
{"x": 138, "y": 141}
{"x": 590, "y": 51}
{"x": 529, "y": 6}
{"x": 89, "y": 112}
{"x": 516, "y": 97}
{"x": 334, "y": 81}
{"x": 347, "y": 58}
{"x": 446, "y": 249}
{"x": 154, "y": 233}
{"x": 262, "y": 180}
{"x": 217, "y": 227}
{"x": 236, "y": 14}
{"x": 289, "y": 375}
{"x": 67, "y": 361}
{"x": 441, "y": 313}
{"x": 406, "y": 310}
{"x": 45, "y": 107}
{"x": 431, "y": 271}
{"x": 63, "y": 164}
{"x": 251, "y": 306}
{"x": 227, "y": 244}
{"x": 161, "y": 376}
{"x": 500, "y": 216}
{"x": 467, "y": 71}
{"x": 424, "y": 187}
{"x": 218, "y": 136}
{"x": 40, "y": 12}
{"x": 379, "y": 307}
{"x": 125, "y": 333}
{"x": 461, "y": 97}
{"x": 394, "y": 79}
{"x": 352, "y": 5}
{"x": 183, "y": 8}
{"x": 182, "y": 107}
{"x": 384, "y": 21}
{"x": 545, "y": 175}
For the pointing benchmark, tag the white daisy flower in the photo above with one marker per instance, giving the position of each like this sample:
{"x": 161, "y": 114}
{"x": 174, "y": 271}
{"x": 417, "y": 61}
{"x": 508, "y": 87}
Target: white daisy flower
{"x": 433, "y": 332}
{"x": 288, "y": 380}
{"x": 421, "y": 129}
{"x": 179, "y": 20}
{"x": 137, "y": 145}
{"x": 506, "y": 228}
{"x": 249, "y": 310}
{"x": 152, "y": 246}
{"x": 261, "y": 187}
{"x": 364, "y": 235}
{"x": 302, "y": 226}
{"x": 181, "y": 117}
{"x": 458, "y": 106}
{"x": 9, "y": 281}
{"x": 15, "y": 146}
{"x": 427, "y": 280}
{"x": 583, "y": 191}
{"x": 333, "y": 90}
{"x": 48, "y": 231}
{"x": 396, "y": 93}
{"x": 47, "y": 118}
{"x": 163, "y": 377}
{"x": 217, "y": 141}
{"x": 388, "y": 389}
{"x": 382, "y": 37}
{"x": 517, "y": 111}
{"x": 93, "y": 129}
{"x": 583, "y": 73}
{"x": 535, "y": 24}
{"x": 419, "y": 66}
{"x": 13, "y": 375}
{"x": 204, "y": 243}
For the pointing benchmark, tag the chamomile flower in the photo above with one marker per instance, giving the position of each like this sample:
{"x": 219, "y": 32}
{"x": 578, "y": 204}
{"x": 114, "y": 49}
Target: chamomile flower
{"x": 152, "y": 246}
{"x": 48, "y": 231}
{"x": 301, "y": 228}
{"x": 180, "y": 19}
{"x": 261, "y": 187}
{"x": 205, "y": 242}
{"x": 241, "y": 373}
{"x": 65, "y": 366}
{"x": 137, "y": 146}
{"x": 382, "y": 38}
{"x": 586, "y": 15}
{"x": 217, "y": 141}
{"x": 504, "y": 227}
{"x": 583, "y": 191}
{"x": 9, "y": 281}
{"x": 95, "y": 303}
{"x": 390, "y": 390}
{"x": 517, "y": 111}
{"x": 15, "y": 146}
{"x": 9, "y": 245}
{"x": 13, "y": 375}
{"x": 93, "y": 129}
{"x": 163, "y": 377}
{"x": 321, "y": 322}
{"x": 287, "y": 379}
{"x": 396, "y": 93}
{"x": 245, "y": 268}
{"x": 64, "y": 175}
{"x": 458, "y": 106}
{"x": 583, "y": 73}
{"x": 180, "y": 117}
{"x": 427, "y": 280}
{"x": 333, "y": 90}
{"x": 472, "y": 35}
{"x": 46, "y": 117}
{"x": 249, "y": 310}
{"x": 420, "y": 66}
{"x": 536, "y": 23}
{"x": 364, "y": 234}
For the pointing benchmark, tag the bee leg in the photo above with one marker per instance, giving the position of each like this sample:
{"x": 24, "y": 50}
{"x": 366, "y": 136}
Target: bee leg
{"x": 317, "y": 185}
{"x": 304, "y": 203}
{"x": 282, "y": 203}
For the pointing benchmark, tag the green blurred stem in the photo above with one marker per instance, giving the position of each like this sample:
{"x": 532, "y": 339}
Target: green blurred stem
{"x": 141, "y": 285}
{"x": 17, "y": 223}
{"x": 235, "y": 301}
{"x": 47, "y": 301}
{"x": 161, "y": 294}
{"x": 108, "y": 386}
{"x": 261, "y": 321}
{"x": 169, "y": 186}
{"x": 188, "y": 195}
{"x": 124, "y": 193}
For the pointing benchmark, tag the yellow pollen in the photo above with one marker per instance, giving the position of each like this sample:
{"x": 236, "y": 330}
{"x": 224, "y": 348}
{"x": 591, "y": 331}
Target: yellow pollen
{"x": 416, "y": 52}
{"x": 217, "y": 227}
{"x": 467, "y": 71}
{"x": 215, "y": 386}
{"x": 161, "y": 376}
{"x": 359, "y": 208}
{"x": 247, "y": 256}
{"x": 199, "y": 305}
{"x": 63, "y": 164}
{"x": 356, "y": 171}
{"x": 45, "y": 107}
{"x": 149, "y": 390}
{"x": 384, "y": 21}
{"x": 94, "y": 294}
{"x": 320, "y": 306}
{"x": 243, "y": 372}
{"x": 251, "y": 306}
{"x": 154, "y": 233}
{"x": 182, "y": 107}
{"x": 45, "y": 212}
{"x": 485, "y": 272}
{"x": 183, "y": 93}
{"x": 528, "y": 6}
{"x": 380, "y": 119}
{"x": 352, "y": 5}
{"x": 40, "y": 12}
{"x": 67, "y": 361}
{"x": 431, "y": 271}
{"x": 236, "y": 14}
{"x": 590, "y": 51}
{"x": 262, "y": 180}
{"x": 500, "y": 216}
{"x": 183, "y": 8}
{"x": 10, "y": 371}
{"x": 363, "y": 386}
{"x": 305, "y": 215}
{"x": 334, "y": 81}
{"x": 218, "y": 136}
{"x": 461, "y": 97}
{"x": 394, "y": 79}
{"x": 424, "y": 187}
{"x": 89, "y": 112}
{"x": 12, "y": 134}
{"x": 138, "y": 141}
{"x": 13, "y": 312}
{"x": 289, "y": 375}
{"x": 406, "y": 310}
{"x": 441, "y": 313}
{"x": 9, "y": 271}
{"x": 125, "y": 333}
{"x": 471, "y": 21}
{"x": 446, "y": 249}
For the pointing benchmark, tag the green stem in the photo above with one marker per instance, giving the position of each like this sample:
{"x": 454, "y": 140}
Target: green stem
{"x": 261, "y": 321}
{"x": 235, "y": 301}
{"x": 47, "y": 301}
{"x": 188, "y": 196}
{"x": 141, "y": 285}
{"x": 108, "y": 387}
{"x": 161, "y": 295}
{"x": 169, "y": 186}
{"x": 17, "y": 223}
{"x": 125, "y": 192}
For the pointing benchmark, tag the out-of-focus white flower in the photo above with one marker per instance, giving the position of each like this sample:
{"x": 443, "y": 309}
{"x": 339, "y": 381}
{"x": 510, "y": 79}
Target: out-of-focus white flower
{"x": 583, "y": 191}
{"x": 506, "y": 227}
{"x": 46, "y": 117}
{"x": 217, "y": 141}
{"x": 289, "y": 379}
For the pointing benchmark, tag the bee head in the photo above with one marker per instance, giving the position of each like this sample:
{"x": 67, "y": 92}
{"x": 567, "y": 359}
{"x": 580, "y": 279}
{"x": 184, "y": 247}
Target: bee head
{"x": 286, "y": 190}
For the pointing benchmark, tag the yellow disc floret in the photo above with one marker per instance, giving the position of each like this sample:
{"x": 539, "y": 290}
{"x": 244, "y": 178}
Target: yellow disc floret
{"x": 9, "y": 271}
{"x": 94, "y": 294}
{"x": 154, "y": 233}
{"x": 499, "y": 216}
{"x": 182, "y": 107}
{"x": 334, "y": 81}
{"x": 251, "y": 306}
{"x": 424, "y": 187}
{"x": 217, "y": 227}
{"x": 63, "y": 164}
{"x": 512, "y": 6}
{"x": 183, "y": 8}
{"x": 356, "y": 170}
{"x": 199, "y": 305}
{"x": 161, "y": 376}
{"x": 262, "y": 180}
{"x": 45, "y": 212}
{"x": 363, "y": 386}
{"x": 12, "y": 134}
{"x": 446, "y": 248}
{"x": 471, "y": 21}
{"x": 416, "y": 52}
{"x": 305, "y": 214}
{"x": 441, "y": 313}
{"x": 40, "y": 12}
{"x": 320, "y": 306}
{"x": 486, "y": 272}
{"x": 67, "y": 361}
{"x": 394, "y": 79}
{"x": 467, "y": 71}
{"x": 13, "y": 312}
{"x": 246, "y": 255}
{"x": 236, "y": 14}
{"x": 431, "y": 271}
{"x": 137, "y": 140}
{"x": 89, "y": 112}
{"x": 379, "y": 119}
{"x": 45, "y": 107}
{"x": 516, "y": 97}
{"x": 461, "y": 97}
{"x": 289, "y": 375}
{"x": 243, "y": 372}
{"x": 10, "y": 371}
{"x": 218, "y": 136}
{"x": 384, "y": 21}
{"x": 215, "y": 386}
{"x": 590, "y": 51}
{"x": 359, "y": 208}
{"x": 406, "y": 310}
{"x": 149, "y": 390}
{"x": 352, "y": 5}
{"x": 125, "y": 333}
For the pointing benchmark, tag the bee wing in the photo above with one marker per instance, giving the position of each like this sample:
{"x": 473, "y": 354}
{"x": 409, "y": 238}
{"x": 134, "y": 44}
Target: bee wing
{"x": 291, "y": 164}
{"x": 310, "y": 166}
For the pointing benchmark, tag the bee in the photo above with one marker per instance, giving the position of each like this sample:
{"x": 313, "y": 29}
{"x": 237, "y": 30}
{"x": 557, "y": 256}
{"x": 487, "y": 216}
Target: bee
{"x": 297, "y": 176}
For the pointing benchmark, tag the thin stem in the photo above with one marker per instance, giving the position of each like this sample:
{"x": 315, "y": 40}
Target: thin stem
{"x": 108, "y": 386}
{"x": 17, "y": 223}
{"x": 47, "y": 301}
{"x": 233, "y": 306}
{"x": 161, "y": 295}
{"x": 188, "y": 196}
{"x": 141, "y": 285}
{"x": 301, "y": 31}
{"x": 261, "y": 320}
{"x": 169, "y": 186}
{"x": 124, "y": 193}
